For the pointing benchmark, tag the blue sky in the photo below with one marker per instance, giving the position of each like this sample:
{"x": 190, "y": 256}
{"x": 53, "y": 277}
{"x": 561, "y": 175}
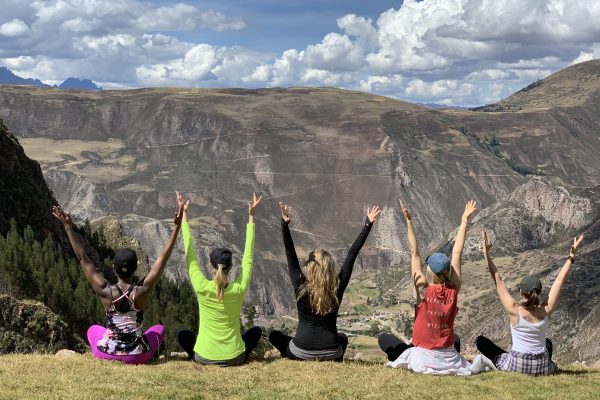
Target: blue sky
{"x": 279, "y": 25}
{"x": 453, "y": 52}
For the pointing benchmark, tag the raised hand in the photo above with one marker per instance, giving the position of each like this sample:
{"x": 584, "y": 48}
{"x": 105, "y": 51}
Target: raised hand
{"x": 62, "y": 216}
{"x": 252, "y": 204}
{"x": 284, "y": 211}
{"x": 575, "y": 246}
{"x": 470, "y": 209}
{"x": 373, "y": 213}
{"x": 181, "y": 209}
{"x": 486, "y": 244}
{"x": 407, "y": 215}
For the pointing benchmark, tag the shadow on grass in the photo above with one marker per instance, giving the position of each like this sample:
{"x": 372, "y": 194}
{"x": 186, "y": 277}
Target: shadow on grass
{"x": 577, "y": 372}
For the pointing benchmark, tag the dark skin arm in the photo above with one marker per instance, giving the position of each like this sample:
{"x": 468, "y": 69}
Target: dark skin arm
{"x": 145, "y": 290}
{"x": 95, "y": 278}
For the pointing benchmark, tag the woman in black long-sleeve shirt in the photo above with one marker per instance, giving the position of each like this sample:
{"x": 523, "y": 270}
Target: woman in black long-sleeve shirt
{"x": 319, "y": 290}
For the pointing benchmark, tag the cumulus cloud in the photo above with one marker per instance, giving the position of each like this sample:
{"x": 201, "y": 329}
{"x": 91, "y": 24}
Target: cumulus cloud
{"x": 202, "y": 65}
{"x": 105, "y": 40}
{"x": 14, "y": 28}
{"x": 447, "y": 49}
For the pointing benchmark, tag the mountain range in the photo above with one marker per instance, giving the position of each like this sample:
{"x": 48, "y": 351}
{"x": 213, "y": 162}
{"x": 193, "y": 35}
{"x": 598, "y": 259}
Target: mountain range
{"x": 7, "y": 77}
{"x": 531, "y": 161}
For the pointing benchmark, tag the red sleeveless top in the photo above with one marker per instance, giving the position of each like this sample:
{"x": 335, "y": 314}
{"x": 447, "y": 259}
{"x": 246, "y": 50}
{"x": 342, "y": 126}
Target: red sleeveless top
{"x": 434, "y": 318}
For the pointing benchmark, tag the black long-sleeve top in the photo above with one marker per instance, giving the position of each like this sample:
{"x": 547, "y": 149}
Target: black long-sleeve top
{"x": 319, "y": 332}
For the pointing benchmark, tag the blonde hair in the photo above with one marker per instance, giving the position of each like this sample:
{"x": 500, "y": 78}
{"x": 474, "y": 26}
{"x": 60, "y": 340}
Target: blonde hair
{"x": 221, "y": 279}
{"x": 322, "y": 282}
{"x": 441, "y": 278}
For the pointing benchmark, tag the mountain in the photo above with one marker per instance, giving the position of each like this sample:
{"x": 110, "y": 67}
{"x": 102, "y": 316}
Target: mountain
{"x": 330, "y": 153}
{"x": 25, "y": 194}
{"x": 79, "y": 84}
{"x": 7, "y": 77}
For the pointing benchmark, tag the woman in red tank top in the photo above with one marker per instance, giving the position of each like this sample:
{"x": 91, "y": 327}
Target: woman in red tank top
{"x": 434, "y": 347}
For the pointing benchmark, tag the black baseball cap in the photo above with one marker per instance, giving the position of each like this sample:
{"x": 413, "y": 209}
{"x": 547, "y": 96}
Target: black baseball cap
{"x": 220, "y": 256}
{"x": 125, "y": 261}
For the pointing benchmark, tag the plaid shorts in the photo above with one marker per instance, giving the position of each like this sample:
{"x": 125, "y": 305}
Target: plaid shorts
{"x": 532, "y": 364}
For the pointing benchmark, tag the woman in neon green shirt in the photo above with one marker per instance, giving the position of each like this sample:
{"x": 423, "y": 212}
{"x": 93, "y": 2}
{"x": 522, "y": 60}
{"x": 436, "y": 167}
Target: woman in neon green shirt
{"x": 219, "y": 340}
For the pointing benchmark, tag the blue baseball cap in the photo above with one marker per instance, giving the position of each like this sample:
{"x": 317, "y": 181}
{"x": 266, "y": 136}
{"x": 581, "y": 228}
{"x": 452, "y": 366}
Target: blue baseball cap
{"x": 438, "y": 262}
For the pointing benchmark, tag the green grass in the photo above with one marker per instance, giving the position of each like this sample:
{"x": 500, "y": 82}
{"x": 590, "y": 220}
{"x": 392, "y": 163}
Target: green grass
{"x": 81, "y": 377}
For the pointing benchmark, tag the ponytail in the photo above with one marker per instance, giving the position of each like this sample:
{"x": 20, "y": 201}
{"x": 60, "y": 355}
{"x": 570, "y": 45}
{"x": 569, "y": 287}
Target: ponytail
{"x": 532, "y": 299}
{"x": 441, "y": 278}
{"x": 221, "y": 280}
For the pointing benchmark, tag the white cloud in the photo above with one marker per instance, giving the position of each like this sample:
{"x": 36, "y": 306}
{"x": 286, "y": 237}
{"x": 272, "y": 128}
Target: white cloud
{"x": 419, "y": 89}
{"x": 591, "y": 54}
{"x": 200, "y": 65}
{"x": 448, "y": 50}
{"x": 19, "y": 63}
{"x": 382, "y": 84}
{"x": 14, "y": 28}
{"x": 184, "y": 17}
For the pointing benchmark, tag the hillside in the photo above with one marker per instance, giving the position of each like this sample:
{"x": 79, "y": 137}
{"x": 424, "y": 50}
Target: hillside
{"x": 81, "y": 377}
{"x": 576, "y": 85}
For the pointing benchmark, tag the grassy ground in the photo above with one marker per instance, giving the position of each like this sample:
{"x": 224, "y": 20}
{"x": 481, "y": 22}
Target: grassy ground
{"x": 81, "y": 377}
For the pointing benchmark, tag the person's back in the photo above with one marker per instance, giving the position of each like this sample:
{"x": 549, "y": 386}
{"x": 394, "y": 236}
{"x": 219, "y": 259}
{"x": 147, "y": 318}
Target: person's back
{"x": 315, "y": 331}
{"x": 531, "y": 351}
{"x": 529, "y": 335}
{"x": 319, "y": 290}
{"x": 220, "y": 322}
{"x": 434, "y": 348}
{"x": 219, "y": 340}
{"x": 123, "y": 339}
{"x": 433, "y": 326}
{"x": 124, "y": 334}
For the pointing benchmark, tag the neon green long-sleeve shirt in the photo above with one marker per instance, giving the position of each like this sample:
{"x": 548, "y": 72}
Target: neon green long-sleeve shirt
{"x": 219, "y": 335}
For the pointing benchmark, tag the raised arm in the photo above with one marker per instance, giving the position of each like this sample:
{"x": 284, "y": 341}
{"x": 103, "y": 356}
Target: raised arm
{"x": 197, "y": 278}
{"x": 509, "y": 304}
{"x": 296, "y": 276}
{"x": 348, "y": 265}
{"x": 96, "y": 280}
{"x": 459, "y": 244}
{"x": 247, "y": 260}
{"x": 562, "y": 276}
{"x": 158, "y": 267}
{"x": 419, "y": 280}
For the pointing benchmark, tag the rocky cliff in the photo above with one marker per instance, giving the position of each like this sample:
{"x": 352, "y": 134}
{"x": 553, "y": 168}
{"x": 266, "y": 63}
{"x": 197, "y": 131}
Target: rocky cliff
{"x": 30, "y": 327}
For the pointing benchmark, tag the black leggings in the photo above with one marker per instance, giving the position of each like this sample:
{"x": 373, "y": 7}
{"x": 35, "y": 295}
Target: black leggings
{"x": 187, "y": 340}
{"x": 393, "y": 347}
{"x": 491, "y": 350}
{"x": 281, "y": 342}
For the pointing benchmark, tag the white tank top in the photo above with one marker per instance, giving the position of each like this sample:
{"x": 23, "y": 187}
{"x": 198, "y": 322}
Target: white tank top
{"x": 528, "y": 337}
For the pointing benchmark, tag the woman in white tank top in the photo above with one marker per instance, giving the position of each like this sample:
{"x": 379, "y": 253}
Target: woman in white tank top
{"x": 531, "y": 351}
